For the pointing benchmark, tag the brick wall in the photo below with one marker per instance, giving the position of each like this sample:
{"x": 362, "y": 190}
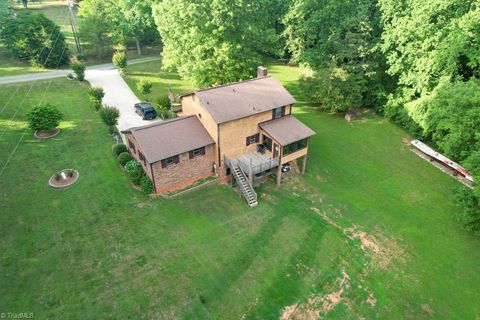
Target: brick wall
{"x": 184, "y": 173}
{"x": 135, "y": 153}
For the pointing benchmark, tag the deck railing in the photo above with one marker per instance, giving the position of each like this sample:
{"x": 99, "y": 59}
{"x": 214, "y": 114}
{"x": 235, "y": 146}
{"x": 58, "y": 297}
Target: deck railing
{"x": 251, "y": 169}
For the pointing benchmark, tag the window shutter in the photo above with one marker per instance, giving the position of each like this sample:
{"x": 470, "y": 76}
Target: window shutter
{"x": 257, "y": 137}
{"x": 283, "y": 111}
{"x": 247, "y": 141}
{"x": 202, "y": 151}
{"x": 164, "y": 163}
{"x": 273, "y": 113}
{"x": 176, "y": 159}
{"x": 190, "y": 154}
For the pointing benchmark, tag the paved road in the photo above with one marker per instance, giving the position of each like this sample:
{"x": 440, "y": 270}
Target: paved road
{"x": 117, "y": 92}
{"x": 63, "y": 73}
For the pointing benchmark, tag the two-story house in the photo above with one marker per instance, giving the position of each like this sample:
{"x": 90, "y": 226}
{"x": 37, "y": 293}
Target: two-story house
{"x": 244, "y": 130}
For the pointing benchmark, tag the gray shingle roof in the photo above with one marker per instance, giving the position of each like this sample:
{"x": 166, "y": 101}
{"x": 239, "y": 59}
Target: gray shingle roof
{"x": 286, "y": 129}
{"x": 168, "y": 138}
{"x": 241, "y": 99}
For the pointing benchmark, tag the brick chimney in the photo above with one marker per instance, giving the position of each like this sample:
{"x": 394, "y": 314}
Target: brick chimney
{"x": 261, "y": 72}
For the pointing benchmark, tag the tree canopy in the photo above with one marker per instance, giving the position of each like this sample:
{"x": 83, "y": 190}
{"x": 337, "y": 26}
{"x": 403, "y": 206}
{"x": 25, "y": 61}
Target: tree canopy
{"x": 108, "y": 22}
{"x": 215, "y": 41}
{"x": 33, "y": 37}
{"x": 338, "y": 41}
{"x": 432, "y": 47}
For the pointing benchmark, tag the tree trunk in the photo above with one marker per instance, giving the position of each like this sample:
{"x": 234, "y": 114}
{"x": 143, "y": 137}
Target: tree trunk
{"x": 25, "y": 4}
{"x": 99, "y": 51}
{"x": 139, "y": 51}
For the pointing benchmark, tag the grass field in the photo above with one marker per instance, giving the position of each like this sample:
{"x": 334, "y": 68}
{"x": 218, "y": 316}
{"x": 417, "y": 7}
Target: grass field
{"x": 161, "y": 80}
{"x": 367, "y": 232}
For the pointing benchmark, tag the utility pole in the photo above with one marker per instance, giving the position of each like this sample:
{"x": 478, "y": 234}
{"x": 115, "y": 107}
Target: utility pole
{"x": 74, "y": 26}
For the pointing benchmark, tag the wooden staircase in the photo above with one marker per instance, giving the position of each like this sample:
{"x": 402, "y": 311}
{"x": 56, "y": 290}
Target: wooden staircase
{"x": 245, "y": 187}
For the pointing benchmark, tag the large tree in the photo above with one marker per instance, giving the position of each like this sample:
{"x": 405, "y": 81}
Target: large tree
{"x": 338, "y": 41}
{"x": 215, "y": 41}
{"x": 132, "y": 19}
{"x": 95, "y": 26}
{"x": 108, "y": 22}
{"x": 432, "y": 47}
{"x": 33, "y": 37}
{"x": 425, "y": 41}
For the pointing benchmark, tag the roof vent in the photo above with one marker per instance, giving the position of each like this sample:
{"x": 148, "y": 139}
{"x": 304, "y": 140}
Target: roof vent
{"x": 261, "y": 72}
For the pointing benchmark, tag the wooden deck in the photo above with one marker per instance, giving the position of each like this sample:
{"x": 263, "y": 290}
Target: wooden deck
{"x": 257, "y": 161}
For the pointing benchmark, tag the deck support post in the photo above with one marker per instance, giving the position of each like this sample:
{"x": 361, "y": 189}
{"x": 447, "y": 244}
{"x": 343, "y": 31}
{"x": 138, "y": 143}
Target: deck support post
{"x": 250, "y": 175}
{"x": 304, "y": 165}
{"x": 279, "y": 174}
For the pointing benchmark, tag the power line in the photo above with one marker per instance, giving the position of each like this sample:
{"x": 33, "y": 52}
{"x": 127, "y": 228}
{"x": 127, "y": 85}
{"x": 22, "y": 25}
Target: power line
{"x": 25, "y": 130}
{"x": 35, "y": 81}
{"x": 43, "y": 96}
{"x": 41, "y": 51}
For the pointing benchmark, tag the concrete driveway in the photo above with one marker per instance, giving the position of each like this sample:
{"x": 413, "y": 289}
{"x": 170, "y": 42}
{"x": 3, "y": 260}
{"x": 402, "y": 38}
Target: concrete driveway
{"x": 117, "y": 94}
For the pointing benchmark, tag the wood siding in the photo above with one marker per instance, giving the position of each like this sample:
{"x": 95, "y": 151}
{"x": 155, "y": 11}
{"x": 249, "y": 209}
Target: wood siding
{"x": 192, "y": 106}
{"x": 234, "y": 133}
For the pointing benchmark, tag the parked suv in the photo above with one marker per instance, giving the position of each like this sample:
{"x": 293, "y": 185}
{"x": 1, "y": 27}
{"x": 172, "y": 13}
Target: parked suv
{"x": 145, "y": 110}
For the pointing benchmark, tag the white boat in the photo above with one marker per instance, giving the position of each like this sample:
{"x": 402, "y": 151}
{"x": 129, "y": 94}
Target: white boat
{"x": 440, "y": 157}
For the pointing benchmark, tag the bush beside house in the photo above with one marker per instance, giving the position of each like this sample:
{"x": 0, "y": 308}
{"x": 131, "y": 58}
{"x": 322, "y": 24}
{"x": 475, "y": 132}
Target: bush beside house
{"x": 136, "y": 175}
{"x": 118, "y": 148}
{"x": 123, "y": 158}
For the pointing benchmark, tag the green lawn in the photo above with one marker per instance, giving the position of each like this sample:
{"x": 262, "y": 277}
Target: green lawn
{"x": 101, "y": 249}
{"x": 161, "y": 80}
{"x": 11, "y": 66}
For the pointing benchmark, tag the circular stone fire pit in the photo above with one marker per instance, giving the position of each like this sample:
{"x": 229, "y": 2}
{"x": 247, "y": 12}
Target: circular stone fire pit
{"x": 64, "y": 178}
{"x": 47, "y": 134}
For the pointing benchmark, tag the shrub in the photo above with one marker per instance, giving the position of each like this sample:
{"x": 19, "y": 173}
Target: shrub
{"x": 134, "y": 171}
{"x": 97, "y": 105}
{"x": 165, "y": 103}
{"x": 119, "y": 60}
{"x": 112, "y": 130}
{"x": 109, "y": 115}
{"x": 35, "y": 38}
{"x": 82, "y": 58}
{"x": 118, "y": 148}
{"x": 96, "y": 94}
{"x": 44, "y": 118}
{"x": 123, "y": 158}
{"x": 70, "y": 173}
{"x": 468, "y": 213}
{"x": 144, "y": 86}
{"x": 79, "y": 70}
{"x": 146, "y": 185}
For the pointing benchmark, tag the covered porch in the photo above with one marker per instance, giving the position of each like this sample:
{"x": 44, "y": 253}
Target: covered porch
{"x": 289, "y": 138}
